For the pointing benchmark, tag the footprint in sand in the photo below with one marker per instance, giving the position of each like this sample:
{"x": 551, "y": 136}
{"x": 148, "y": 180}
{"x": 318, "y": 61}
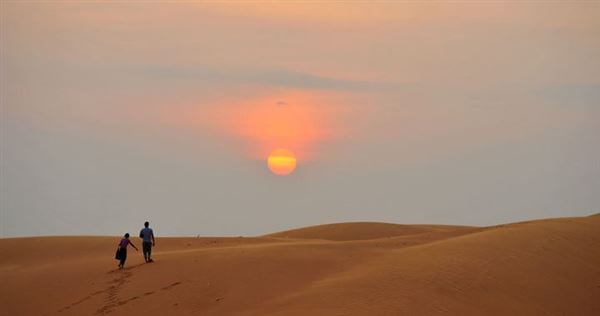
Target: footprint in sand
{"x": 171, "y": 285}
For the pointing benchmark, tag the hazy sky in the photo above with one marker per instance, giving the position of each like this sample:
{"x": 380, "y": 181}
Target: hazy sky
{"x": 456, "y": 113}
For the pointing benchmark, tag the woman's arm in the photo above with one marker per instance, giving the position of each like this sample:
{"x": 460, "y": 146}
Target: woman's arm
{"x": 132, "y": 245}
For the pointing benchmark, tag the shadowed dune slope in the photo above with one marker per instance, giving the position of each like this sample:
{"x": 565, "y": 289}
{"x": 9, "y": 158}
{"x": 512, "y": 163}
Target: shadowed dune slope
{"x": 362, "y": 231}
{"x": 544, "y": 267}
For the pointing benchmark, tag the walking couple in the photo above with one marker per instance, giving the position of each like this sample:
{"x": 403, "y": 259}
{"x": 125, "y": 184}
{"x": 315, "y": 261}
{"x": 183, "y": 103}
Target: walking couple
{"x": 147, "y": 236}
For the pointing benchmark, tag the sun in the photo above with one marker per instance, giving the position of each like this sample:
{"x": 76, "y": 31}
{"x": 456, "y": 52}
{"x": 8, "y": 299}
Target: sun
{"x": 281, "y": 162}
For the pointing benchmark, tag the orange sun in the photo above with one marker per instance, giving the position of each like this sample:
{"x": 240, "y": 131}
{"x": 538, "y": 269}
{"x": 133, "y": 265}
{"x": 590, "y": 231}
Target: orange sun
{"x": 281, "y": 162}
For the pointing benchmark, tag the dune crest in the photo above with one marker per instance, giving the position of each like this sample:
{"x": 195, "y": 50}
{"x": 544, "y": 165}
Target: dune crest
{"x": 362, "y": 231}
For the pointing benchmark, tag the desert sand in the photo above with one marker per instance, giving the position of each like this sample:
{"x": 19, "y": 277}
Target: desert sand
{"x": 542, "y": 267}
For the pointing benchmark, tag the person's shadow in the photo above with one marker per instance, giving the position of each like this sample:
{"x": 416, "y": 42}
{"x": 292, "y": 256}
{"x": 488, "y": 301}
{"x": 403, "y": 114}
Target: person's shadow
{"x": 135, "y": 266}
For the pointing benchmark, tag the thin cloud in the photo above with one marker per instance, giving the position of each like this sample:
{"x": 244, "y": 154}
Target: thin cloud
{"x": 281, "y": 78}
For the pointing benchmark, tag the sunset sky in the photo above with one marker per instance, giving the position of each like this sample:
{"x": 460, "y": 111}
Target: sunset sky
{"x": 453, "y": 113}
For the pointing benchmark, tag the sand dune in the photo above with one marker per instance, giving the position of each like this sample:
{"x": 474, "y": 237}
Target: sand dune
{"x": 362, "y": 231}
{"x": 532, "y": 268}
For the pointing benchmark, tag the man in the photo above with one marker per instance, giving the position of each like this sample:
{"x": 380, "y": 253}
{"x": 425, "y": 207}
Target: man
{"x": 147, "y": 236}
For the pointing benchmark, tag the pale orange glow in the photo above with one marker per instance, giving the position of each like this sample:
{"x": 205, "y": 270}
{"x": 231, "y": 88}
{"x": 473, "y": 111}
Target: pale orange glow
{"x": 302, "y": 122}
{"x": 295, "y": 120}
{"x": 281, "y": 162}
{"x": 297, "y": 124}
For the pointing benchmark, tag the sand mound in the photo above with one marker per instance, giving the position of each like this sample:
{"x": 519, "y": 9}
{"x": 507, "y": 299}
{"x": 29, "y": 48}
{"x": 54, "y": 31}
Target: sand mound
{"x": 549, "y": 267}
{"x": 361, "y": 231}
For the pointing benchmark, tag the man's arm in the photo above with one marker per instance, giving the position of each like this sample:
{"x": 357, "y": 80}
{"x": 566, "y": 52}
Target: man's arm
{"x": 153, "y": 242}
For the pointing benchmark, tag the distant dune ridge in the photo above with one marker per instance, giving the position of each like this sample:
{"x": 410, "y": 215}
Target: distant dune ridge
{"x": 362, "y": 231}
{"x": 549, "y": 266}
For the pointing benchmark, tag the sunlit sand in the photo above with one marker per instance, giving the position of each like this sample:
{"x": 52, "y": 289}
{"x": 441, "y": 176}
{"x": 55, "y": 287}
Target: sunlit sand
{"x": 546, "y": 266}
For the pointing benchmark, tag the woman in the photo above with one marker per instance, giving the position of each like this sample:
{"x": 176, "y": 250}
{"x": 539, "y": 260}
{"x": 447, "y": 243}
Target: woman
{"x": 122, "y": 250}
